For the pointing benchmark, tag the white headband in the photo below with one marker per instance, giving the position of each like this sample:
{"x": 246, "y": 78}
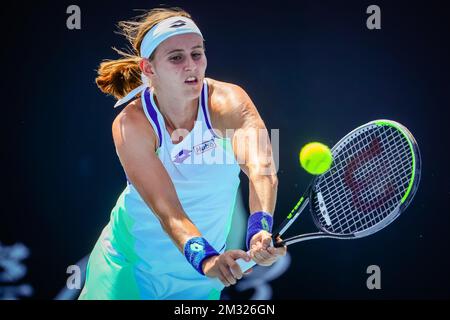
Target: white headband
{"x": 161, "y": 31}
{"x": 165, "y": 29}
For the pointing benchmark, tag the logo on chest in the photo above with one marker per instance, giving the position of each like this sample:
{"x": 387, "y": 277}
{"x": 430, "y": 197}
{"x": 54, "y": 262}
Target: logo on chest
{"x": 182, "y": 155}
{"x": 203, "y": 147}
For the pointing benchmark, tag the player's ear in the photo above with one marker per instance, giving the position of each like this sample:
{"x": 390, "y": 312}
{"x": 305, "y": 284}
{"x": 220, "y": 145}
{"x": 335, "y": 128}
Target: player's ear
{"x": 146, "y": 67}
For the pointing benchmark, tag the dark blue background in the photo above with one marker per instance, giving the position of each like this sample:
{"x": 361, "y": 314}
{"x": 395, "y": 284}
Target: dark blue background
{"x": 313, "y": 70}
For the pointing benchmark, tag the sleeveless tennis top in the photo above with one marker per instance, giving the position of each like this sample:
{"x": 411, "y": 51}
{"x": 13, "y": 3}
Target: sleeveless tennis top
{"x": 205, "y": 174}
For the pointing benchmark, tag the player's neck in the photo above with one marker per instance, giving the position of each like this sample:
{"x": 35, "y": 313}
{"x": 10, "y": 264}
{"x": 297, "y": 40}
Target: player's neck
{"x": 178, "y": 113}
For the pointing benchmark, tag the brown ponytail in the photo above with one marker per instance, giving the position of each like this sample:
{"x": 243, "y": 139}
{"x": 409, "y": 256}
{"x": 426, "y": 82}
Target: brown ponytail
{"x": 118, "y": 77}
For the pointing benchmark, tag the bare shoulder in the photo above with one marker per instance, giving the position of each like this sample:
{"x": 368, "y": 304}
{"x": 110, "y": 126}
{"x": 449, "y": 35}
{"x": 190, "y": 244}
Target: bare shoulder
{"x": 131, "y": 125}
{"x": 230, "y": 106}
{"x": 225, "y": 96}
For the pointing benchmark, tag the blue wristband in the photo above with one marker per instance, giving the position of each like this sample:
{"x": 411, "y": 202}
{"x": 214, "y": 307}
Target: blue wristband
{"x": 256, "y": 222}
{"x": 196, "y": 250}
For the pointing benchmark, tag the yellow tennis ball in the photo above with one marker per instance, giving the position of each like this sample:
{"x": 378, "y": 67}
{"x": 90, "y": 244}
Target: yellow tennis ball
{"x": 316, "y": 158}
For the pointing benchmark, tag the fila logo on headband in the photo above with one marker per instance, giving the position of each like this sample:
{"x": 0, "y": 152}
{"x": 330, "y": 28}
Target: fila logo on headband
{"x": 177, "y": 24}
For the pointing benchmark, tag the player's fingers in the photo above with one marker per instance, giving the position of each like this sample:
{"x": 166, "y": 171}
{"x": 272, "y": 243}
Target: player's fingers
{"x": 262, "y": 255}
{"x": 234, "y": 267}
{"x": 256, "y": 245}
{"x": 258, "y": 259}
{"x": 256, "y": 256}
{"x": 227, "y": 274}
{"x": 266, "y": 241}
{"x": 281, "y": 251}
{"x": 265, "y": 253}
{"x": 239, "y": 254}
{"x": 224, "y": 281}
{"x": 255, "y": 239}
{"x": 252, "y": 254}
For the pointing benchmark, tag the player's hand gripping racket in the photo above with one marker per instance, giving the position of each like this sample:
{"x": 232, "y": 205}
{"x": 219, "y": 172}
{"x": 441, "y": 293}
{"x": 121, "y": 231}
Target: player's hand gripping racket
{"x": 373, "y": 178}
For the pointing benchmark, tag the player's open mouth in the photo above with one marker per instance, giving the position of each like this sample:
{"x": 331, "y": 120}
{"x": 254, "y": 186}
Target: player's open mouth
{"x": 191, "y": 80}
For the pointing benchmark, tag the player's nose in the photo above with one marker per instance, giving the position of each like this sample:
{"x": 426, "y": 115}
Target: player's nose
{"x": 190, "y": 64}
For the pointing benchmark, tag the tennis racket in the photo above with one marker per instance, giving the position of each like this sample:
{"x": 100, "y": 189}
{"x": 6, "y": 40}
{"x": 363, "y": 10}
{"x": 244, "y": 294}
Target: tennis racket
{"x": 374, "y": 176}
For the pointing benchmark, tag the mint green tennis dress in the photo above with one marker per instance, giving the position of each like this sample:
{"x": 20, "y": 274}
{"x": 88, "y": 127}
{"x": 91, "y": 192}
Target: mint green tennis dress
{"x": 134, "y": 258}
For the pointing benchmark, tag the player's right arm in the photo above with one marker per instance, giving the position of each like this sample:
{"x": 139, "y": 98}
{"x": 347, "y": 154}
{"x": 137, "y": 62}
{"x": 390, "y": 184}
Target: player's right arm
{"x": 136, "y": 143}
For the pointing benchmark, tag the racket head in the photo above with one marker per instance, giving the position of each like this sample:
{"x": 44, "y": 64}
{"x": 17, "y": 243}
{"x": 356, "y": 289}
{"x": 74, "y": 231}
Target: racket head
{"x": 374, "y": 176}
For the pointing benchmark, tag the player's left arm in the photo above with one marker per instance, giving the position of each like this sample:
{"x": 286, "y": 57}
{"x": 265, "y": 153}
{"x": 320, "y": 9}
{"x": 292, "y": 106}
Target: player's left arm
{"x": 241, "y": 122}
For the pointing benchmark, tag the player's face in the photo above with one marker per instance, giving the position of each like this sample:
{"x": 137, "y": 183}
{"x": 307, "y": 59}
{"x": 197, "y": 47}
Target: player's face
{"x": 179, "y": 65}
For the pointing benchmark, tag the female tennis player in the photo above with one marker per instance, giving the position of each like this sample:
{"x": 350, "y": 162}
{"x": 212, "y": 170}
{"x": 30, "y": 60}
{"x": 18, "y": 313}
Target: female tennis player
{"x": 182, "y": 140}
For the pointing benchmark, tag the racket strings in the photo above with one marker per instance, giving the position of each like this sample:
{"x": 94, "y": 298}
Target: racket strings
{"x": 346, "y": 206}
{"x": 370, "y": 174}
{"x": 378, "y": 195}
{"x": 366, "y": 216}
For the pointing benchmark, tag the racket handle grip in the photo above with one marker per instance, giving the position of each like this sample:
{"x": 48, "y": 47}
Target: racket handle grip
{"x": 244, "y": 264}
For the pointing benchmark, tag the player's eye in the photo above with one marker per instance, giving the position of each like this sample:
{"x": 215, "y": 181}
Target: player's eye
{"x": 196, "y": 55}
{"x": 176, "y": 58}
